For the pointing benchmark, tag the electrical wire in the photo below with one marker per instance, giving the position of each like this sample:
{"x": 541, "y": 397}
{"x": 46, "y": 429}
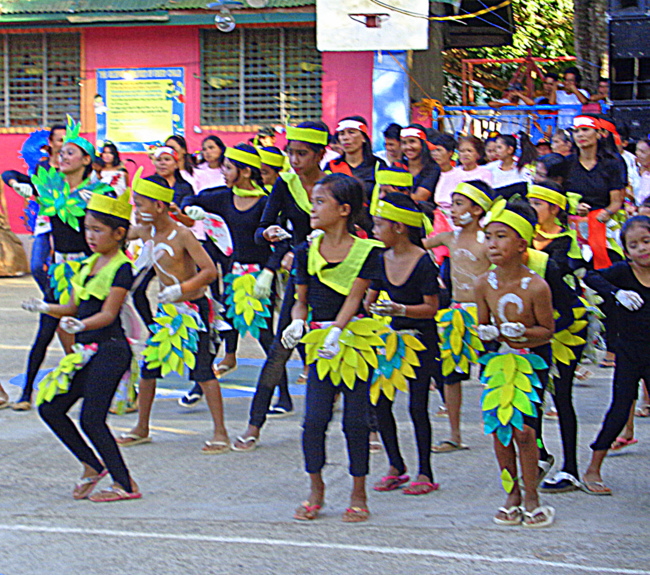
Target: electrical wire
{"x": 441, "y": 18}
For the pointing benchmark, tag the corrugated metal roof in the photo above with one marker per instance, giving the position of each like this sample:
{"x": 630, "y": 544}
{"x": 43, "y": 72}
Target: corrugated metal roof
{"x": 83, "y": 6}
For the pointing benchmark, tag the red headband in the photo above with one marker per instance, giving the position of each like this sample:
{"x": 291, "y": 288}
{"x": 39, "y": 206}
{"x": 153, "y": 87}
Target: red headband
{"x": 611, "y": 128}
{"x": 352, "y": 125}
{"x": 586, "y": 122}
{"x": 412, "y": 133}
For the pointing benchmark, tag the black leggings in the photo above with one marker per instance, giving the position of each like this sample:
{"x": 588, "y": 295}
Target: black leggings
{"x": 419, "y": 410}
{"x": 632, "y": 364}
{"x": 319, "y": 402}
{"x": 96, "y": 383}
{"x": 563, "y": 399}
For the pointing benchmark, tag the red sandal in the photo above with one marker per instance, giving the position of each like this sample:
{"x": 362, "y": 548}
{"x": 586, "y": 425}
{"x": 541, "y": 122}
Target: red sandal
{"x": 429, "y": 487}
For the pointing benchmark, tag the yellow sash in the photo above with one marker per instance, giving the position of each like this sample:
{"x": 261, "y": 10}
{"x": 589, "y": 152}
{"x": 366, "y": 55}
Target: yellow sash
{"x": 341, "y": 277}
{"x": 100, "y": 284}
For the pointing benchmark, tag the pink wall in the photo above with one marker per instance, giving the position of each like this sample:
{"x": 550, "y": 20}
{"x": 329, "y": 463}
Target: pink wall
{"x": 347, "y": 86}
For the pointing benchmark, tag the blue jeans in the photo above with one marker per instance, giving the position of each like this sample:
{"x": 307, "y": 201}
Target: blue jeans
{"x": 41, "y": 258}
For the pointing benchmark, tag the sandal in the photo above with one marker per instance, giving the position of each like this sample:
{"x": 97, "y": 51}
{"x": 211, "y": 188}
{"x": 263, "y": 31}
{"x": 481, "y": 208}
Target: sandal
{"x": 376, "y": 447}
{"x": 428, "y": 488}
{"x": 643, "y": 411}
{"x": 130, "y": 439}
{"x": 448, "y": 446}
{"x": 546, "y": 511}
{"x": 21, "y": 406}
{"x": 307, "y": 512}
{"x": 114, "y": 493}
{"x": 245, "y": 440}
{"x": 588, "y": 487}
{"x": 86, "y": 485}
{"x": 514, "y": 516}
{"x": 222, "y": 370}
{"x": 391, "y": 482}
{"x": 215, "y": 447}
{"x": 355, "y": 515}
{"x": 622, "y": 442}
{"x": 4, "y": 401}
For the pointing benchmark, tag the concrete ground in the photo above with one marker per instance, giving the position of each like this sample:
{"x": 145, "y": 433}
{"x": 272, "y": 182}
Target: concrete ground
{"x": 232, "y": 513}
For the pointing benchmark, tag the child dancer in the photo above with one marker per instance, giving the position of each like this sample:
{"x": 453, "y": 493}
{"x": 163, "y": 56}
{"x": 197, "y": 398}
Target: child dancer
{"x": 629, "y": 283}
{"x": 519, "y": 303}
{"x": 272, "y": 163}
{"x": 410, "y": 278}
{"x": 469, "y": 260}
{"x": 101, "y": 354}
{"x": 332, "y": 275}
{"x": 175, "y": 254}
{"x": 291, "y": 197}
{"x": 556, "y": 240}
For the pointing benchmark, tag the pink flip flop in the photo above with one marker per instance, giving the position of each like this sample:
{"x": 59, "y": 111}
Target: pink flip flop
{"x": 622, "y": 442}
{"x": 429, "y": 487}
{"x": 391, "y": 482}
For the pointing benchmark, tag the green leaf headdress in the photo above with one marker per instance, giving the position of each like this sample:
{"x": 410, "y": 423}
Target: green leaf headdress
{"x": 72, "y": 137}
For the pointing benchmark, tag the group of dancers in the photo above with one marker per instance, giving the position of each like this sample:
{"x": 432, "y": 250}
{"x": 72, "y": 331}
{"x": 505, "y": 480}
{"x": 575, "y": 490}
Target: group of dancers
{"x": 394, "y": 274}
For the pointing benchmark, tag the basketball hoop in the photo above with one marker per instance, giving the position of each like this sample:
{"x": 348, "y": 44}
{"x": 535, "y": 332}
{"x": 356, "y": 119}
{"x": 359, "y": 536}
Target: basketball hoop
{"x": 370, "y": 20}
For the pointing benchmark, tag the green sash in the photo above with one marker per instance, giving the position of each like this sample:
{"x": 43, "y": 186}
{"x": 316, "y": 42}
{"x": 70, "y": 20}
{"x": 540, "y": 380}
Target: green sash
{"x": 100, "y": 284}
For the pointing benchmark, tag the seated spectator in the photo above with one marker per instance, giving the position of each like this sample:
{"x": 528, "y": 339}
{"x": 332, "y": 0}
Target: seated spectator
{"x": 570, "y": 94}
{"x": 512, "y": 120}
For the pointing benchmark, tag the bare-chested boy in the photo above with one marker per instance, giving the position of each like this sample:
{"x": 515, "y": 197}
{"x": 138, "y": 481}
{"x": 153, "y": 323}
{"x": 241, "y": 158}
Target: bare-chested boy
{"x": 515, "y": 309}
{"x": 468, "y": 255}
{"x": 175, "y": 255}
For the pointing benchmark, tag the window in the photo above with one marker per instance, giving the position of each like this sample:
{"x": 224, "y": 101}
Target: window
{"x": 39, "y": 79}
{"x": 258, "y": 76}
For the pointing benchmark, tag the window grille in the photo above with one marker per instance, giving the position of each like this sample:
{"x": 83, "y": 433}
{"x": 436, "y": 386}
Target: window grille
{"x": 258, "y": 76}
{"x": 39, "y": 80}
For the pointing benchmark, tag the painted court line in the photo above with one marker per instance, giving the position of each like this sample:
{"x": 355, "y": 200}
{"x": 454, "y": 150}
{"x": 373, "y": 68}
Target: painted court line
{"x": 399, "y": 551}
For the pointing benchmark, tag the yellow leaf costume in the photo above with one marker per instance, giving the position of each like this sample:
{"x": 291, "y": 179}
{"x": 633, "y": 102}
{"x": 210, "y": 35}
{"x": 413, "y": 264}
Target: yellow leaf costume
{"x": 460, "y": 345}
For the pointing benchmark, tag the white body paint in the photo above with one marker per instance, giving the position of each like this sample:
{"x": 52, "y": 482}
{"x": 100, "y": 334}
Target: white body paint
{"x": 509, "y": 298}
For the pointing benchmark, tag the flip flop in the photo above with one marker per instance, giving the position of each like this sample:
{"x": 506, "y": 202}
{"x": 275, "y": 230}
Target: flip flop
{"x": 21, "y": 406}
{"x": 643, "y": 411}
{"x": 245, "y": 440}
{"x": 546, "y": 511}
{"x": 114, "y": 493}
{"x": 355, "y": 515}
{"x": 223, "y": 370}
{"x": 514, "y": 510}
{"x": 278, "y": 412}
{"x": 302, "y": 378}
{"x": 587, "y": 487}
{"x": 429, "y": 487}
{"x": 4, "y": 403}
{"x": 622, "y": 442}
{"x": 221, "y": 447}
{"x": 311, "y": 512}
{"x": 448, "y": 446}
{"x": 86, "y": 485}
{"x": 131, "y": 439}
{"x": 561, "y": 482}
{"x": 376, "y": 447}
{"x": 391, "y": 482}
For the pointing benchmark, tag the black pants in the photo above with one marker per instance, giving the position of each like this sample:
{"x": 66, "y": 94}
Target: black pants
{"x": 319, "y": 402}
{"x": 563, "y": 399}
{"x": 632, "y": 364}
{"x": 220, "y": 260}
{"x": 96, "y": 383}
{"x": 419, "y": 411}
{"x": 46, "y": 329}
{"x": 273, "y": 372}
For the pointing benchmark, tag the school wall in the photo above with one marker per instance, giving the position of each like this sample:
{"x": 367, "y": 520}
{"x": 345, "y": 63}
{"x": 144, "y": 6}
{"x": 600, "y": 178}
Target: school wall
{"x": 347, "y": 87}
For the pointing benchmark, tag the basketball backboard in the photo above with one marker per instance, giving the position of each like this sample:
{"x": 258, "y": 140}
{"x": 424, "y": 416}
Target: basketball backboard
{"x": 364, "y": 25}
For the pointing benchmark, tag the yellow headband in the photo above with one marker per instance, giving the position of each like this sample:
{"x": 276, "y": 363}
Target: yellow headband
{"x": 500, "y": 214}
{"x": 244, "y": 157}
{"x": 118, "y": 207}
{"x": 271, "y": 158}
{"x": 308, "y": 135}
{"x": 477, "y": 196}
{"x": 150, "y": 189}
{"x": 394, "y": 178}
{"x": 550, "y": 196}
{"x": 408, "y": 217}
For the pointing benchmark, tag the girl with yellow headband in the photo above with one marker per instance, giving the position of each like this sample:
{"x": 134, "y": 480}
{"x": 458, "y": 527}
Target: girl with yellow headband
{"x": 410, "y": 278}
{"x": 241, "y": 206}
{"x": 291, "y": 200}
{"x": 101, "y": 354}
{"x": 272, "y": 164}
{"x": 559, "y": 243}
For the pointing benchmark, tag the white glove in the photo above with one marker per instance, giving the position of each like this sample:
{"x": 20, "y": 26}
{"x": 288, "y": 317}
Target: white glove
{"x": 487, "y": 332}
{"x": 263, "y": 284}
{"x": 512, "y": 329}
{"x": 629, "y": 299}
{"x": 387, "y": 308}
{"x": 311, "y": 237}
{"x": 293, "y": 334}
{"x": 24, "y": 190}
{"x": 72, "y": 325}
{"x": 170, "y": 294}
{"x": 196, "y": 212}
{"x": 35, "y": 305}
{"x": 331, "y": 344}
{"x": 85, "y": 195}
{"x": 282, "y": 234}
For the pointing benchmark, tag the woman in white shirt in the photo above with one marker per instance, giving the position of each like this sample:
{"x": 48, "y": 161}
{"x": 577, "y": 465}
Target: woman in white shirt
{"x": 208, "y": 173}
{"x": 508, "y": 171}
